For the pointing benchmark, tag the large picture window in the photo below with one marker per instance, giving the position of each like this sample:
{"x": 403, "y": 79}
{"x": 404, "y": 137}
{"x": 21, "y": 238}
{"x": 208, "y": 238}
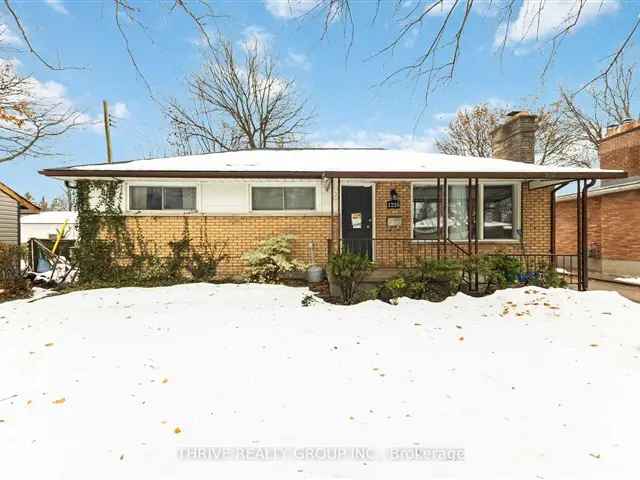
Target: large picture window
{"x": 425, "y": 212}
{"x": 283, "y": 198}
{"x": 162, "y": 198}
{"x": 498, "y": 215}
{"x": 498, "y": 212}
{"x": 458, "y": 208}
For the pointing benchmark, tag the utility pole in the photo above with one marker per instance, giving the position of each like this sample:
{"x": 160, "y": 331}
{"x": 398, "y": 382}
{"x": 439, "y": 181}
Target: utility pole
{"x": 107, "y": 126}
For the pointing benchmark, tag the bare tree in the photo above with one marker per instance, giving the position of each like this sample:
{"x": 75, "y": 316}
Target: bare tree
{"x": 448, "y": 21}
{"x": 126, "y": 14}
{"x": 237, "y": 104}
{"x": 27, "y": 121}
{"x": 609, "y": 100}
{"x": 469, "y": 133}
{"x": 59, "y": 204}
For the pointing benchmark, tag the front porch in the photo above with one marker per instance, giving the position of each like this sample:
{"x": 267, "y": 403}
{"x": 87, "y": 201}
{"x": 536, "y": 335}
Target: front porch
{"x": 398, "y": 223}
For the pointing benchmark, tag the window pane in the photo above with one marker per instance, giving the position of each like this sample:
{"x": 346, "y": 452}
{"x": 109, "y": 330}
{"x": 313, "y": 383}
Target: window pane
{"x": 458, "y": 221}
{"x": 145, "y": 198}
{"x": 267, "y": 198}
{"x": 300, "y": 198}
{"x": 425, "y": 212}
{"x": 179, "y": 198}
{"x": 498, "y": 212}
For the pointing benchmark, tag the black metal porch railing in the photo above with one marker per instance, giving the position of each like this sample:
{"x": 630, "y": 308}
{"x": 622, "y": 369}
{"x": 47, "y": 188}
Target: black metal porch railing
{"x": 407, "y": 253}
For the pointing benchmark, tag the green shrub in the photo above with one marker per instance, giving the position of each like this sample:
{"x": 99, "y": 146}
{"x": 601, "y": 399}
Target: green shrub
{"x": 393, "y": 289}
{"x": 431, "y": 279}
{"x": 273, "y": 258}
{"x": 12, "y": 282}
{"x": 203, "y": 264}
{"x": 499, "y": 271}
{"x": 349, "y": 270}
{"x": 548, "y": 277}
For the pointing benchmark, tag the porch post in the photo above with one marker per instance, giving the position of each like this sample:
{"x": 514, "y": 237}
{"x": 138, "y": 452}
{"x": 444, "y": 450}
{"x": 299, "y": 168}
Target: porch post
{"x": 445, "y": 215}
{"x": 332, "y": 223}
{"x": 339, "y": 216}
{"x": 476, "y": 208}
{"x": 579, "y": 235}
{"x": 469, "y": 216}
{"x": 438, "y": 213}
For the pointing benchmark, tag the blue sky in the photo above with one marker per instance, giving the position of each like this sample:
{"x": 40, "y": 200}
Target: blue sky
{"x": 351, "y": 108}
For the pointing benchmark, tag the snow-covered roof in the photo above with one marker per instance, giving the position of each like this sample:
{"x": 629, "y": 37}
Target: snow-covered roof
{"x": 339, "y": 162}
{"x": 50, "y": 218}
{"x": 604, "y": 190}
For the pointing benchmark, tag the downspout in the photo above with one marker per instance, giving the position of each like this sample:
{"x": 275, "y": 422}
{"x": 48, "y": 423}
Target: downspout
{"x": 585, "y": 232}
{"x": 19, "y": 233}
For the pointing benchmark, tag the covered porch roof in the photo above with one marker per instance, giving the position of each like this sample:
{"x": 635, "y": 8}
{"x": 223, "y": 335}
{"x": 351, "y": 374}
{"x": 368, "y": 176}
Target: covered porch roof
{"x": 329, "y": 163}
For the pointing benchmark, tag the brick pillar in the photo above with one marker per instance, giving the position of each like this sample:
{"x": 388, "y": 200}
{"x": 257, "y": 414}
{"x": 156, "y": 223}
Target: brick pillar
{"x": 515, "y": 138}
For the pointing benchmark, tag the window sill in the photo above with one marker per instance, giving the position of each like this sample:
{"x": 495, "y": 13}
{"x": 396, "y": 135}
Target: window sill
{"x": 464, "y": 242}
{"x": 174, "y": 213}
{"x": 159, "y": 213}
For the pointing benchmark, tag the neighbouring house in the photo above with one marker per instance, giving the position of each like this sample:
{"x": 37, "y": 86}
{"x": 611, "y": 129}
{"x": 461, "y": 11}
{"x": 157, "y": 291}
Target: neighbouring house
{"x": 46, "y": 225}
{"x": 391, "y": 205}
{"x": 614, "y": 205}
{"x": 12, "y": 207}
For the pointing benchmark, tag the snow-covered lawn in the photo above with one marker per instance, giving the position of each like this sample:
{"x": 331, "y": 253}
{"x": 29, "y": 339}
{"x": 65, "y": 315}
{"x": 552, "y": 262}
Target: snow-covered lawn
{"x": 108, "y": 384}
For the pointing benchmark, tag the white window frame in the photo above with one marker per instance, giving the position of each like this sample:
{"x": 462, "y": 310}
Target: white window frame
{"x": 517, "y": 201}
{"x": 128, "y": 185}
{"x": 313, "y": 185}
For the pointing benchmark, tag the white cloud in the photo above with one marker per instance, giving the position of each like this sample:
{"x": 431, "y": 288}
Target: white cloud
{"x": 440, "y": 8}
{"x": 256, "y": 38}
{"x": 290, "y": 8}
{"x": 424, "y": 142}
{"x": 120, "y": 110}
{"x": 58, "y": 6}
{"x": 299, "y": 60}
{"x": 493, "y": 102}
{"x": 54, "y": 94}
{"x": 539, "y": 19}
{"x": 7, "y": 37}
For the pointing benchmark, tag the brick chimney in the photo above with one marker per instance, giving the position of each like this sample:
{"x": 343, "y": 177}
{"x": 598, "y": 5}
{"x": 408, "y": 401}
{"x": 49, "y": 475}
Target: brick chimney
{"x": 620, "y": 150}
{"x": 515, "y": 138}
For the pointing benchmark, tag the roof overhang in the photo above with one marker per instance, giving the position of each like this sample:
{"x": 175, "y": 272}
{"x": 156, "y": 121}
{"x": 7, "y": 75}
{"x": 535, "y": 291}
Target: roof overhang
{"x": 69, "y": 173}
{"x": 601, "y": 191}
{"x": 19, "y": 199}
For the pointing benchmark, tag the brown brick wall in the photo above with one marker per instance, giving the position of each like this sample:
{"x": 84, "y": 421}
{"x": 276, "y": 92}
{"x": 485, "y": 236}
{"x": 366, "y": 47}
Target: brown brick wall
{"x": 621, "y": 149}
{"x": 621, "y": 225}
{"x": 240, "y": 233}
{"x": 243, "y": 233}
{"x": 614, "y": 225}
{"x": 536, "y": 219}
{"x": 536, "y": 225}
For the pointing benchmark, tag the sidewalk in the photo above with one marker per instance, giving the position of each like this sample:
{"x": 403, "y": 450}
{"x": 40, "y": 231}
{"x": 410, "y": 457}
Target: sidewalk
{"x": 629, "y": 291}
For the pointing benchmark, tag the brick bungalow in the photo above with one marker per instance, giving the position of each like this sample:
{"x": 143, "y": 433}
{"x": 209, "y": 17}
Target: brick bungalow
{"x": 390, "y": 205}
{"x": 614, "y": 206}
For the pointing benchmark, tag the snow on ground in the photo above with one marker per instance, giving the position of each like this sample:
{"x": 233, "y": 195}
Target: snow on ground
{"x": 105, "y": 384}
{"x": 630, "y": 280}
